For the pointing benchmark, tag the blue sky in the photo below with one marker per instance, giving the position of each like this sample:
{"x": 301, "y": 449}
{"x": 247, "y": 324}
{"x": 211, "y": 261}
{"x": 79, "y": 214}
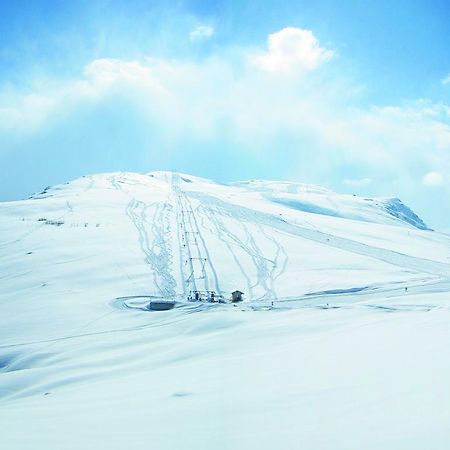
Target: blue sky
{"x": 352, "y": 95}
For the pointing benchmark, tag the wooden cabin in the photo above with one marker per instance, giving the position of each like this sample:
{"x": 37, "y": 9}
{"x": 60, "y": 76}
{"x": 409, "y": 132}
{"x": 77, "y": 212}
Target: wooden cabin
{"x": 236, "y": 296}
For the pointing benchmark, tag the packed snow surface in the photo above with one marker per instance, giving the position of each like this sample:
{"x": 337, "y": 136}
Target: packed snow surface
{"x": 341, "y": 342}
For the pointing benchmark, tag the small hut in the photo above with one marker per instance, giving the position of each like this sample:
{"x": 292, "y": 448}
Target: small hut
{"x": 161, "y": 305}
{"x": 236, "y": 296}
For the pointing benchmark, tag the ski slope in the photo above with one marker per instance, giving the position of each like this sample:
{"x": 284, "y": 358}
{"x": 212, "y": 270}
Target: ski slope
{"x": 341, "y": 342}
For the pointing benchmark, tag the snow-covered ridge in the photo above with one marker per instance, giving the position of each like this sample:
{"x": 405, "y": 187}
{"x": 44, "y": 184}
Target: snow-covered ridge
{"x": 319, "y": 200}
{"x": 258, "y": 236}
{"x": 335, "y": 315}
{"x": 166, "y": 234}
{"x": 303, "y": 197}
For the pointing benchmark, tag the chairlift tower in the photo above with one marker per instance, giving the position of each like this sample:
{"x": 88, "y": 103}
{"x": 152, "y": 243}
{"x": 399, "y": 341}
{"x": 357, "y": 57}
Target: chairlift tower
{"x": 197, "y": 267}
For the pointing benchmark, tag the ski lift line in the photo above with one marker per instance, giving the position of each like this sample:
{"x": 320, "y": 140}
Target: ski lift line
{"x": 203, "y": 263}
{"x": 193, "y": 276}
{"x": 187, "y": 280}
{"x": 196, "y": 246}
{"x": 203, "y": 274}
{"x": 190, "y": 279}
{"x": 211, "y": 266}
{"x": 186, "y": 222}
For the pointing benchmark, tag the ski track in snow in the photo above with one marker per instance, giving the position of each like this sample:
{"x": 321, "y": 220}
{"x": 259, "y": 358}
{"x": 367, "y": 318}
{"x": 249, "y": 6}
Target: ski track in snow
{"x": 388, "y": 256}
{"x": 280, "y": 261}
{"x": 158, "y": 252}
{"x": 209, "y": 220}
{"x": 267, "y": 269}
{"x": 203, "y": 218}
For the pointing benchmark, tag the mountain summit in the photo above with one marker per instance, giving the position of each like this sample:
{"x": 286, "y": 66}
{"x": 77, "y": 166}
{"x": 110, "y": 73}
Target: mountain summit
{"x": 166, "y": 234}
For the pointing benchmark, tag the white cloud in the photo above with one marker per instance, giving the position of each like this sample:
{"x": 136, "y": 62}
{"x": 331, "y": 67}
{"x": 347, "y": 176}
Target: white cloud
{"x": 446, "y": 81}
{"x": 103, "y": 77}
{"x": 292, "y": 48}
{"x": 104, "y": 73}
{"x": 197, "y": 99}
{"x": 218, "y": 102}
{"x": 201, "y": 32}
{"x": 433, "y": 179}
{"x": 28, "y": 113}
{"x": 357, "y": 181}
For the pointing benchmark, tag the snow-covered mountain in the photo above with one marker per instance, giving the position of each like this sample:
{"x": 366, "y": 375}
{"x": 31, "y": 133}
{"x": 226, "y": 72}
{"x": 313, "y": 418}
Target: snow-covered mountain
{"x": 317, "y": 268}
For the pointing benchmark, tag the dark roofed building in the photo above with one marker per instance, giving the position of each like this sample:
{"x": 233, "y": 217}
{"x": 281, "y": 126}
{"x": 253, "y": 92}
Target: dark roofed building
{"x": 236, "y": 296}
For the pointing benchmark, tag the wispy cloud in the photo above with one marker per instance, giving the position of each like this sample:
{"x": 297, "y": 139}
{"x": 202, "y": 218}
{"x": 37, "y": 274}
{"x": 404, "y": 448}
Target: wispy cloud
{"x": 433, "y": 179}
{"x": 201, "y": 32}
{"x": 357, "y": 181}
{"x": 446, "y": 81}
{"x": 258, "y": 114}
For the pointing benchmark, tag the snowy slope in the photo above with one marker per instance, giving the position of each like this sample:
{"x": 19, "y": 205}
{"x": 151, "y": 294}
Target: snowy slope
{"x": 321, "y": 273}
{"x": 318, "y": 200}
